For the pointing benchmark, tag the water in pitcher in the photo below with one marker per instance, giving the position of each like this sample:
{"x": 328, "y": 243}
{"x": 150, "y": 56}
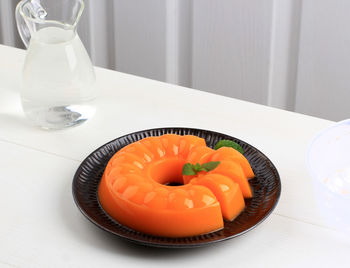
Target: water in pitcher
{"x": 58, "y": 79}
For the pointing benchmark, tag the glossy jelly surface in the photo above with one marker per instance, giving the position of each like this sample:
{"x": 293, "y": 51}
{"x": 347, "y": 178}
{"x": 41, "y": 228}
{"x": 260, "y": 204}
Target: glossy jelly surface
{"x": 135, "y": 187}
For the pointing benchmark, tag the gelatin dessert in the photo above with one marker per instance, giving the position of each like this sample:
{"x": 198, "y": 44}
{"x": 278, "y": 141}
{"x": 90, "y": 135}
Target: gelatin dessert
{"x": 175, "y": 186}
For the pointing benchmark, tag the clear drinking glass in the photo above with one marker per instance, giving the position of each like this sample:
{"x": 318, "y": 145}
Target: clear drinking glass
{"x": 58, "y": 77}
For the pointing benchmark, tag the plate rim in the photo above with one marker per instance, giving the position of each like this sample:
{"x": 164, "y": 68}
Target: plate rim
{"x": 165, "y": 244}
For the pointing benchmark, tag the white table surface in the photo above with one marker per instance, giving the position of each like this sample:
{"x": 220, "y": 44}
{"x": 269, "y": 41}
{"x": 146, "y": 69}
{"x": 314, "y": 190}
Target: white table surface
{"x": 40, "y": 225}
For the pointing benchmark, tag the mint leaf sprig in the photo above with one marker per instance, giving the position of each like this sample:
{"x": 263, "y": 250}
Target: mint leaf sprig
{"x": 229, "y": 143}
{"x": 191, "y": 169}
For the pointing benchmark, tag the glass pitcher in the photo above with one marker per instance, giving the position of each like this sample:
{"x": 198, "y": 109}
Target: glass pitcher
{"x": 58, "y": 77}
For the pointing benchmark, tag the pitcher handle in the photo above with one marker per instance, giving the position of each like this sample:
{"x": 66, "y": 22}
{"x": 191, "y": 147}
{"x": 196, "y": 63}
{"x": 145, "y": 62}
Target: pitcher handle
{"x": 22, "y": 26}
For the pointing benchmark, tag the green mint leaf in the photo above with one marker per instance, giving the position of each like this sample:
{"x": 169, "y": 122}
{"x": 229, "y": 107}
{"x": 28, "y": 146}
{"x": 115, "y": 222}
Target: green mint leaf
{"x": 189, "y": 169}
{"x": 197, "y": 167}
{"x": 210, "y": 165}
{"x": 228, "y": 143}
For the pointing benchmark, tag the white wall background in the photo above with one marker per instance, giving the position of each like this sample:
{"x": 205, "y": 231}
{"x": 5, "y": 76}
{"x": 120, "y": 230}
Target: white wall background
{"x": 290, "y": 54}
{"x": 323, "y": 86}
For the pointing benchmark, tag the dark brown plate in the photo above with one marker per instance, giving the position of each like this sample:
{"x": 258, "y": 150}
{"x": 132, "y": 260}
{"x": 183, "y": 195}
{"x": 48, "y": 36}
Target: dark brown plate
{"x": 266, "y": 187}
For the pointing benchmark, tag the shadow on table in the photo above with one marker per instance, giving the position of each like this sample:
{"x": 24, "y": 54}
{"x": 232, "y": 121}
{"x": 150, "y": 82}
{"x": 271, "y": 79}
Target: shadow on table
{"x": 17, "y": 121}
{"x": 117, "y": 245}
{"x": 11, "y": 112}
